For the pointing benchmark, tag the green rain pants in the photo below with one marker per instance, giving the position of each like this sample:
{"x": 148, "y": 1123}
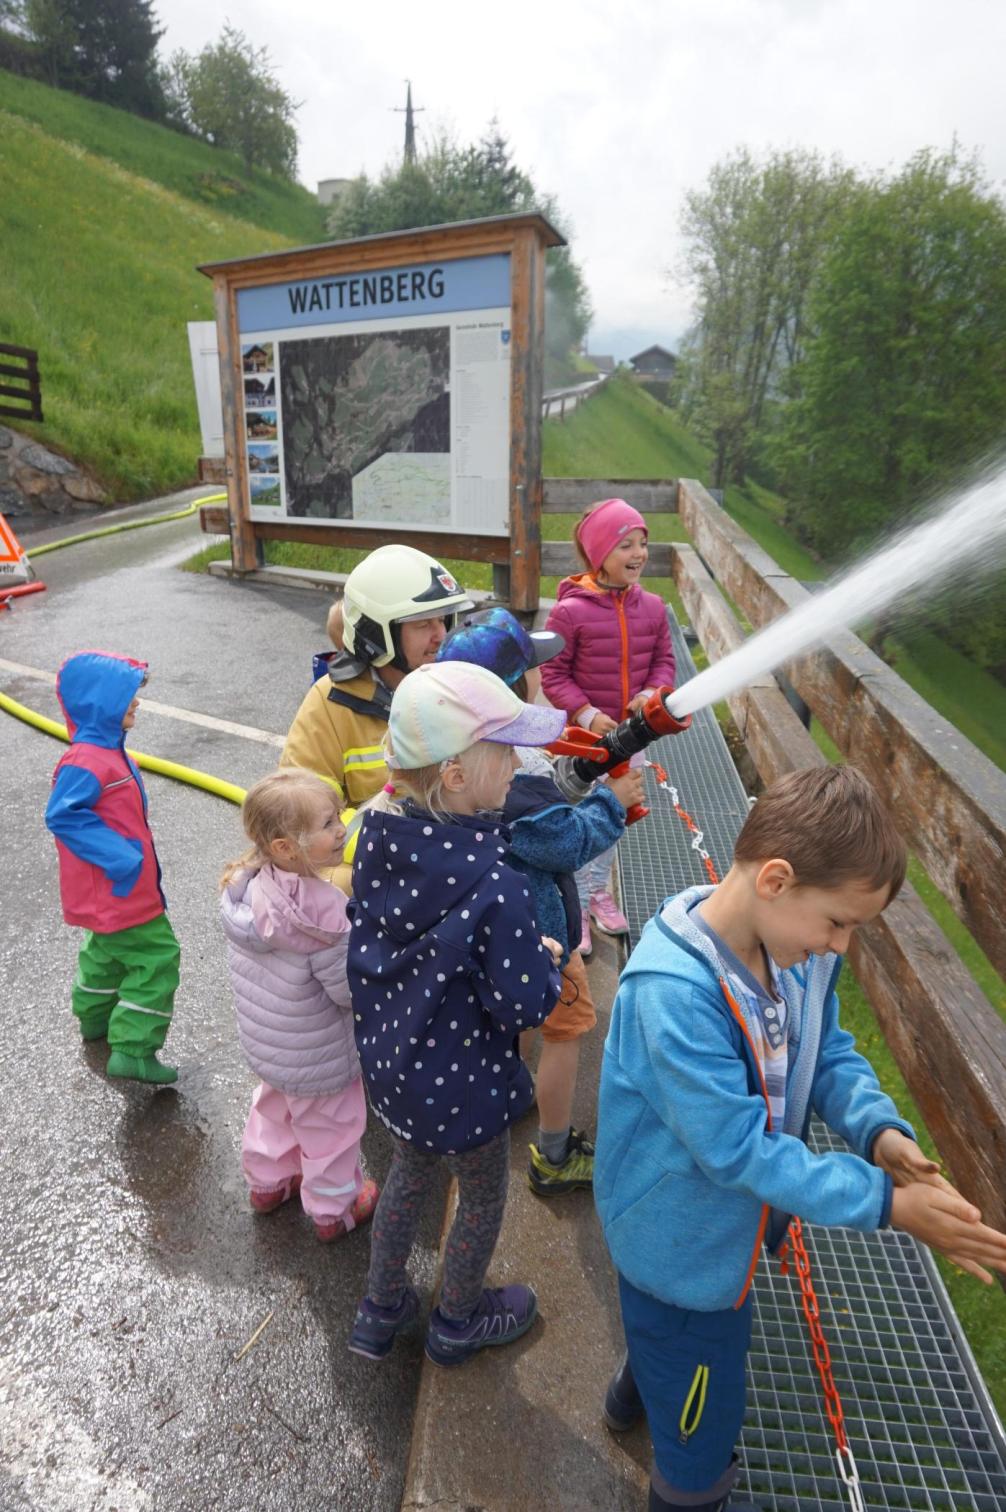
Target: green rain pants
{"x": 126, "y": 984}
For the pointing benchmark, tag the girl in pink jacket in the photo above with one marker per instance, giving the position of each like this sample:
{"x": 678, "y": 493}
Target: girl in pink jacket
{"x": 287, "y": 938}
{"x": 618, "y": 651}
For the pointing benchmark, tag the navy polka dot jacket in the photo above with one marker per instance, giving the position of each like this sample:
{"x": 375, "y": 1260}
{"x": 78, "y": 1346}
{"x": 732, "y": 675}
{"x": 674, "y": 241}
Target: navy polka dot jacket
{"x": 446, "y": 967}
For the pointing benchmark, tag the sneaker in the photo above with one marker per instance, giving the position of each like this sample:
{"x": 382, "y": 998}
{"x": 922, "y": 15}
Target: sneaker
{"x": 502, "y": 1315}
{"x": 375, "y": 1327}
{"x": 577, "y": 1170}
{"x": 606, "y": 915}
{"x": 361, "y": 1210}
{"x": 267, "y": 1201}
{"x": 586, "y": 943}
{"x": 623, "y": 1406}
{"x": 144, "y": 1068}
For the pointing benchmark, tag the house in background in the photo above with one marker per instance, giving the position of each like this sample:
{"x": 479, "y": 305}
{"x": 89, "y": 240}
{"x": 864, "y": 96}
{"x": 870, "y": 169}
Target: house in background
{"x": 655, "y": 365}
{"x": 604, "y": 365}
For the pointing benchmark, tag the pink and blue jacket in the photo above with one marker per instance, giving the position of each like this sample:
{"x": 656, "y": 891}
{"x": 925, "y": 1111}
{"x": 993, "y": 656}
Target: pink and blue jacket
{"x": 617, "y": 643}
{"x": 109, "y": 876}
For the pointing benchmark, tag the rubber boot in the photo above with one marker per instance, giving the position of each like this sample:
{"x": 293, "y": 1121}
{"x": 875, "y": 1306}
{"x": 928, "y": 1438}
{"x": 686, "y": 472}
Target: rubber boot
{"x": 145, "y": 1068}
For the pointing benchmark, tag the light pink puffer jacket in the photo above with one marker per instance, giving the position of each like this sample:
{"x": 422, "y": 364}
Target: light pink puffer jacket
{"x": 617, "y": 644}
{"x": 287, "y": 938}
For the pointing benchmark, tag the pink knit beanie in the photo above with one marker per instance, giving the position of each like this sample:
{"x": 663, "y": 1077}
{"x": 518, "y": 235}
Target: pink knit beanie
{"x": 607, "y": 524}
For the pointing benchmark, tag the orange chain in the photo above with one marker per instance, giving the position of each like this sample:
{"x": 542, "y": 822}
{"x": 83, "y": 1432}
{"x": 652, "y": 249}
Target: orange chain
{"x": 794, "y": 1240}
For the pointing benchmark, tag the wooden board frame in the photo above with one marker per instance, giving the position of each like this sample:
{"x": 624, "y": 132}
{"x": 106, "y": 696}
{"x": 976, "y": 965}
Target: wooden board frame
{"x": 525, "y": 239}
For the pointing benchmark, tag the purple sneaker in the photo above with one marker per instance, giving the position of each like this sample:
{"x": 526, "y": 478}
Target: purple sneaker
{"x": 502, "y": 1315}
{"x": 375, "y": 1327}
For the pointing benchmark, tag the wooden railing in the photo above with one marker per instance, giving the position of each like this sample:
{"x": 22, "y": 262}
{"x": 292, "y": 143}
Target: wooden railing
{"x": 557, "y": 403}
{"x": 27, "y": 390}
{"x": 949, "y": 801}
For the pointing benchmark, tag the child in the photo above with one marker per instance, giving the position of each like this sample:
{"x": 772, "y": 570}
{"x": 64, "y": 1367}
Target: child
{"x": 724, "y": 1039}
{"x": 109, "y": 876}
{"x": 549, "y": 840}
{"x": 618, "y": 651}
{"x": 447, "y": 967}
{"x": 287, "y": 934}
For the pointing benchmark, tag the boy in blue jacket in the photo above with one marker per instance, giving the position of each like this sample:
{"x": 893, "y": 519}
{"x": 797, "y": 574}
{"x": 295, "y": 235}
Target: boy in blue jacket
{"x": 550, "y": 840}
{"x": 724, "y": 1040}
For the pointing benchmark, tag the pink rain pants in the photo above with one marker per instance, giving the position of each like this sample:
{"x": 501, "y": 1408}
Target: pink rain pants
{"x": 317, "y": 1138}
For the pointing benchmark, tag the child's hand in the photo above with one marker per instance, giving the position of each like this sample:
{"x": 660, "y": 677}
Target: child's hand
{"x": 947, "y": 1222}
{"x": 628, "y": 789}
{"x": 553, "y": 947}
{"x": 640, "y": 699}
{"x": 904, "y": 1162}
{"x": 602, "y": 723}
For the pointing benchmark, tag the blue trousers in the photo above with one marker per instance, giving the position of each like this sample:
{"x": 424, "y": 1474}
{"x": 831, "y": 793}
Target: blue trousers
{"x": 689, "y": 1369}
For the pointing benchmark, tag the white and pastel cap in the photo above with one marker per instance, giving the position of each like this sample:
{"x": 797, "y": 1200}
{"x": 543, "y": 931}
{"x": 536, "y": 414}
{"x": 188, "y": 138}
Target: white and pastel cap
{"x": 443, "y": 708}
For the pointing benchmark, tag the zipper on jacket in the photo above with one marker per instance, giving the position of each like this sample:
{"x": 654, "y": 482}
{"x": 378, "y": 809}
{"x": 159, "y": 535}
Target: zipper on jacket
{"x": 624, "y": 629}
{"x": 695, "y": 1402}
{"x": 763, "y": 1221}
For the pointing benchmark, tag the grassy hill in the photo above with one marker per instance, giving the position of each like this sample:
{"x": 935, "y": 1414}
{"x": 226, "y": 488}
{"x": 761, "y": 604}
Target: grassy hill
{"x": 105, "y": 217}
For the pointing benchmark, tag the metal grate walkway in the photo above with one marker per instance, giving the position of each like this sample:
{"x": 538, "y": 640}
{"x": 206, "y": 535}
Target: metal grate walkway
{"x": 922, "y": 1428}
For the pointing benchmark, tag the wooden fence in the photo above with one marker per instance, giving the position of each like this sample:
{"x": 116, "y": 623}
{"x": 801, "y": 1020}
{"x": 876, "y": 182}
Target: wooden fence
{"x": 557, "y": 403}
{"x": 20, "y": 363}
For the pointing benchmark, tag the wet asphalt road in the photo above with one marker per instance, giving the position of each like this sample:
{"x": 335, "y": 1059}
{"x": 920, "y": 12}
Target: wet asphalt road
{"x": 131, "y": 1270}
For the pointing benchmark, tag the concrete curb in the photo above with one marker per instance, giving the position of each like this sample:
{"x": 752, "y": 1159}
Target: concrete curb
{"x": 521, "y": 1427}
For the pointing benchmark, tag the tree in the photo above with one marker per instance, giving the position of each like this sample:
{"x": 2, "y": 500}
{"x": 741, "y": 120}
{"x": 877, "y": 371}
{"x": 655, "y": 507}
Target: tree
{"x": 903, "y": 377}
{"x": 452, "y": 182}
{"x": 105, "y": 49}
{"x": 229, "y": 95}
{"x": 754, "y": 238}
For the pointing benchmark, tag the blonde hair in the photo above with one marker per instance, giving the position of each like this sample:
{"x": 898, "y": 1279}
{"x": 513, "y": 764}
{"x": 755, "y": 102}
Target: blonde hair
{"x": 282, "y": 806}
{"x": 832, "y": 827}
{"x": 335, "y": 625}
{"x": 425, "y": 785}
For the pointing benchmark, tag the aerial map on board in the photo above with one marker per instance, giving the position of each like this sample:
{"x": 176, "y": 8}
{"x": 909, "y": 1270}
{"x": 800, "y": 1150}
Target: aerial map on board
{"x": 367, "y": 425}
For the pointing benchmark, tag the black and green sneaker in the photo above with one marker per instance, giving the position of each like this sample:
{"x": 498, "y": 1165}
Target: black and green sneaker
{"x": 577, "y": 1170}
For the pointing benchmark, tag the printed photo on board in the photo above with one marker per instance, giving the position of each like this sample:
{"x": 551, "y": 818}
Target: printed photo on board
{"x": 262, "y": 425}
{"x": 367, "y": 425}
{"x": 263, "y": 457}
{"x": 257, "y": 357}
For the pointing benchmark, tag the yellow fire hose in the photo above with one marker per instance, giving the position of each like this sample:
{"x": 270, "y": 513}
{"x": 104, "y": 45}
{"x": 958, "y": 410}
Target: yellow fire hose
{"x": 173, "y": 769}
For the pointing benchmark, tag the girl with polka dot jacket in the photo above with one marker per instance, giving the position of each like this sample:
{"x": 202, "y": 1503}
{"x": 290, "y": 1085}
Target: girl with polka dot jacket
{"x": 446, "y": 966}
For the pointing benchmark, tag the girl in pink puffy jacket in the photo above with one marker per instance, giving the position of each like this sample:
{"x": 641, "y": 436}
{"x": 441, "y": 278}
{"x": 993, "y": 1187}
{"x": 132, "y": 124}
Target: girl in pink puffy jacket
{"x": 618, "y": 651}
{"x": 287, "y": 938}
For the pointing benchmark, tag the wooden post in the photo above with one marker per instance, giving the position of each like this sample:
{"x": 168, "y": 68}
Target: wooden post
{"x": 247, "y": 553}
{"x": 526, "y": 384}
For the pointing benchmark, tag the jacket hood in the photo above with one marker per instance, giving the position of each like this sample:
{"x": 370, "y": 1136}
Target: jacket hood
{"x": 279, "y": 910}
{"x": 435, "y": 864}
{"x": 95, "y": 688}
{"x": 585, "y": 585}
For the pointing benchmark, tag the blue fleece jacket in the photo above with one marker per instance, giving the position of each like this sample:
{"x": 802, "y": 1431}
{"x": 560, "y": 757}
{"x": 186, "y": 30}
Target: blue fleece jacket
{"x": 550, "y": 839}
{"x": 688, "y": 1175}
{"x": 446, "y": 967}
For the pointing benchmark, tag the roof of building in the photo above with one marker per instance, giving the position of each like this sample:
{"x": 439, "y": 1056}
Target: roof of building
{"x": 653, "y": 351}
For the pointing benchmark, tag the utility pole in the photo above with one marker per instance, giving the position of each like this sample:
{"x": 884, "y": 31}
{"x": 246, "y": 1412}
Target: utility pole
{"x": 410, "y": 114}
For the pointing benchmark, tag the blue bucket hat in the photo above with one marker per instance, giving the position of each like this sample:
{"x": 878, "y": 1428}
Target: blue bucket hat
{"x": 496, "y": 639}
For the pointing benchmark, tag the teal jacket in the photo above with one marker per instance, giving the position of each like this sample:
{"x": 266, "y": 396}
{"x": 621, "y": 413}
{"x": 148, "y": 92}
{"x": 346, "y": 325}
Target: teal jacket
{"x": 689, "y": 1176}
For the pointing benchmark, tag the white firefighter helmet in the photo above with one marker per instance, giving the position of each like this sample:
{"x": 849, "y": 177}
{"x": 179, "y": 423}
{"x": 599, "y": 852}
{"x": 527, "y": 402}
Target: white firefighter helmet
{"x": 390, "y": 586}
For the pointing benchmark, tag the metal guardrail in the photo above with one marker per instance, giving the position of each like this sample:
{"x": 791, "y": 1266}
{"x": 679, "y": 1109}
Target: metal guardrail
{"x": 558, "y": 402}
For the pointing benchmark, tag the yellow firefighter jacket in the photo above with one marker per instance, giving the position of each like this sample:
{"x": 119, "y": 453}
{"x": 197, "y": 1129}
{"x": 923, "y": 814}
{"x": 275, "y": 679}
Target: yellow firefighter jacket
{"x": 334, "y": 736}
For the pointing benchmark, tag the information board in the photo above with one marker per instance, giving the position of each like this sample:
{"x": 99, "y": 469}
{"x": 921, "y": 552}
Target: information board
{"x": 380, "y": 397}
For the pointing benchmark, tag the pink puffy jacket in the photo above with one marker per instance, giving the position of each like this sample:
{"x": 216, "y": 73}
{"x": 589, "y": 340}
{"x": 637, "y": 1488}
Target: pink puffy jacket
{"x": 617, "y": 643}
{"x": 287, "y": 938}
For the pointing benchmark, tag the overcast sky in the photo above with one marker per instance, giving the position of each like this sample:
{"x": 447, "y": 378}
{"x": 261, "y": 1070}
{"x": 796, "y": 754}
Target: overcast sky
{"x": 620, "y": 106}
